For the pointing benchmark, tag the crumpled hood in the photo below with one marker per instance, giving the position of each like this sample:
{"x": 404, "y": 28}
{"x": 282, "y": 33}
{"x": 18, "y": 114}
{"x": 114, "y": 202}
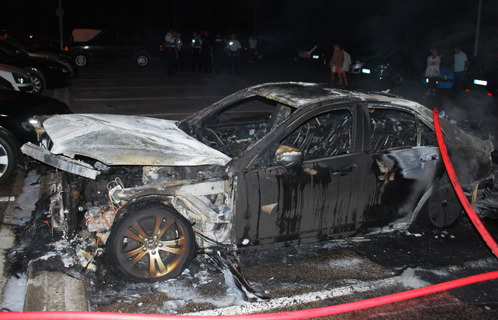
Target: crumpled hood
{"x": 128, "y": 140}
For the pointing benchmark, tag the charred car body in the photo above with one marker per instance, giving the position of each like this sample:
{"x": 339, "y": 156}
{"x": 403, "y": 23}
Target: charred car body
{"x": 278, "y": 163}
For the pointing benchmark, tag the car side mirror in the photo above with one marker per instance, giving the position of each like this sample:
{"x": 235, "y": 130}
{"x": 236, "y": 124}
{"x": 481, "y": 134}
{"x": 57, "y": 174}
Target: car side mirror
{"x": 288, "y": 156}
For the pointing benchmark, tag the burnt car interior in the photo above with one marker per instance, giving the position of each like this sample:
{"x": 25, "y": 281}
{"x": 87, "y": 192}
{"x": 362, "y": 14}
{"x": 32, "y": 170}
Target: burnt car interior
{"x": 392, "y": 128}
{"x": 234, "y": 128}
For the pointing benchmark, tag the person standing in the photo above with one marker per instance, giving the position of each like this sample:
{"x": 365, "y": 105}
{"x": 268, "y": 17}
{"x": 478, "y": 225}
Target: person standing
{"x": 459, "y": 66}
{"x": 345, "y": 67}
{"x": 218, "y": 50}
{"x": 179, "y": 48}
{"x": 432, "y": 71}
{"x": 196, "y": 51}
{"x": 206, "y": 47}
{"x": 253, "y": 48}
{"x": 170, "y": 44}
{"x": 336, "y": 63}
{"x": 233, "y": 50}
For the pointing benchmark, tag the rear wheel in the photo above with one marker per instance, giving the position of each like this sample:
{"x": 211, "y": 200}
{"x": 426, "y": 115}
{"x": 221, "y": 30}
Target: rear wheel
{"x": 80, "y": 60}
{"x": 142, "y": 60}
{"x": 151, "y": 243}
{"x": 443, "y": 209}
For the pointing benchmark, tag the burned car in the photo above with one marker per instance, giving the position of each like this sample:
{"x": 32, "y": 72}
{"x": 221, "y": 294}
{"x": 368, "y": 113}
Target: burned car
{"x": 273, "y": 164}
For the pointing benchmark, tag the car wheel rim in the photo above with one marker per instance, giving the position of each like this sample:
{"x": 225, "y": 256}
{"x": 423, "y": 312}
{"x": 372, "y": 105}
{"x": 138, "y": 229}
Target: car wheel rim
{"x": 37, "y": 85}
{"x": 153, "y": 245}
{"x": 142, "y": 61}
{"x": 4, "y": 160}
{"x": 80, "y": 61}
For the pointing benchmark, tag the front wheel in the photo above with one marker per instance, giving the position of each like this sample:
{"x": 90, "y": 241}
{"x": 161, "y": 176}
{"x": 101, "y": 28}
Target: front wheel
{"x": 151, "y": 243}
{"x": 8, "y": 157}
{"x": 38, "y": 80}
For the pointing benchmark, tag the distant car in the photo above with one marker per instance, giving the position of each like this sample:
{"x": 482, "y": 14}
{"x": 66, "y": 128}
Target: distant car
{"x": 273, "y": 164}
{"x": 18, "y": 109}
{"x": 15, "y": 79}
{"x": 318, "y": 55}
{"x": 36, "y": 42}
{"x": 480, "y": 76}
{"x": 47, "y": 70}
{"x": 389, "y": 64}
{"x": 89, "y": 44}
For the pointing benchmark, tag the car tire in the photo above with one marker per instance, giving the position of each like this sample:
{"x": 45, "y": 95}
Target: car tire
{"x": 80, "y": 60}
{"x": 142, "y": 60}
{"x": 39, "y": 82}
{"x": 9, "y": 157}
{"x": 443, "y": 209}
{"x": 136, "y": 254}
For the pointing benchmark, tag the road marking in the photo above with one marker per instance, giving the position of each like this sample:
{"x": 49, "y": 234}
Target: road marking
{"x": 7, "y": 199}
{"x": 301, "y": 299}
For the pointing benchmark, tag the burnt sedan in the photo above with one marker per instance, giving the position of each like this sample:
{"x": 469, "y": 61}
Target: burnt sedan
{"x": 273, "y": 164}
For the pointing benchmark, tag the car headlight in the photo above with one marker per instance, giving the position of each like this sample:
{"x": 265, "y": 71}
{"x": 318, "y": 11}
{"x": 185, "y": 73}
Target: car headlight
{"x": 19, "y": 78}
{"x": 366, "y": 71}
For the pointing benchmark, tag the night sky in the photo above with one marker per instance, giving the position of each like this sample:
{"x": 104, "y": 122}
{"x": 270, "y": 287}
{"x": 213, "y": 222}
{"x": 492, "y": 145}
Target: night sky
{"x": 359, "y": 24}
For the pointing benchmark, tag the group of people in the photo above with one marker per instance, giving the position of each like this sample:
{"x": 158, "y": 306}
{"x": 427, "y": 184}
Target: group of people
{"x": 433, "y": 70}
{"x": 339, "y": 64}
{"x": 207, "y": 53}
{"x": 341, "y": 60}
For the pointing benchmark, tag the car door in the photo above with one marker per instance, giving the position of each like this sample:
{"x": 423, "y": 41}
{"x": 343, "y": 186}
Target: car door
{"x": 407, "y": 162}
{"x": 312, "y": 199}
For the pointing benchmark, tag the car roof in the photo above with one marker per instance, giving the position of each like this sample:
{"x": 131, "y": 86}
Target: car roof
{"x": 300, "y": 94}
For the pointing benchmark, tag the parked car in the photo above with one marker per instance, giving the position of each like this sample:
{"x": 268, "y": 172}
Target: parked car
{"x": 273, "y": 164}
{"x": 47, "y": 70}
{"x": 15, "y": 79}
{"x": 88, "y": 44}
{"x": 18, "y": 109}
{"x": 36, "y": 42}
{"x": 480, "y": 76}
{"x": 389, "y": 64}
{"x": 318, "y": 56}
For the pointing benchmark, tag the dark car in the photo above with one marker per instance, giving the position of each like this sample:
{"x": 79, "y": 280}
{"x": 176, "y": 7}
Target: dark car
{"x": 139, "y": 46}
{"x": 47, "y": 70}
{"x": 389, "y": 64}
{"x": 17, "y": 110}
{"x": 274, "y": 164}
{"x": 317, "y": 56}
{"x": 480, "y": 77}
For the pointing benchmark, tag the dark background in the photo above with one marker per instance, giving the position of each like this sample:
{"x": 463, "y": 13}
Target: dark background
{"x": 360, "y": 25}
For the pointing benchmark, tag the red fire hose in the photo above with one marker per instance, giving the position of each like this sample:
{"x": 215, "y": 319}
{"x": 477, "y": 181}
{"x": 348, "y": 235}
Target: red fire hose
{"x": 311, "y": 313}
{"x": 458, "y": 188}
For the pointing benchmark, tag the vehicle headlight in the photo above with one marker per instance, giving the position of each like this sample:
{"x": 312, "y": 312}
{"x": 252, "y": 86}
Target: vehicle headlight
{"x": 19, "y": 78}
{"x": 366, "y": 71}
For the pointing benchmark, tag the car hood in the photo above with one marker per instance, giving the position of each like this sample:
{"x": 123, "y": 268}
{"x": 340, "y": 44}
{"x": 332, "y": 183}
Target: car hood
{"x": 12, "y": 69}
{"x": 128, "y": 140}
